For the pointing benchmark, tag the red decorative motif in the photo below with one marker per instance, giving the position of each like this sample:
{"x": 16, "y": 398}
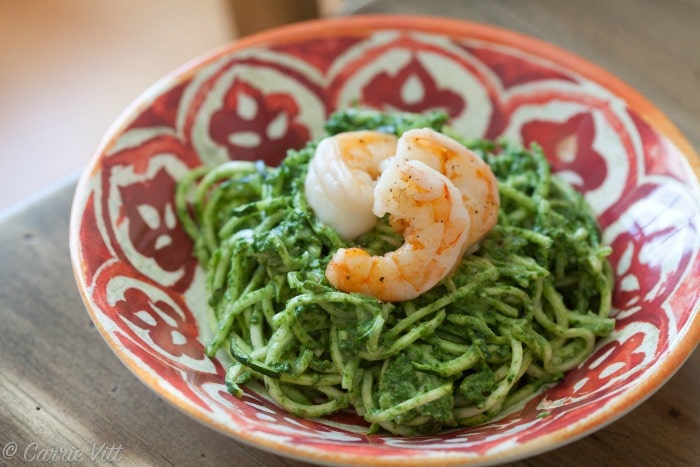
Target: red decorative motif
{"x": 267, "y": 133}
{"x": 379, "y": 86}
{"x": 657, "y": 244}
{"x": 630, "y": 362}
{"x": 387, "y": 91}
{"x": 98, "y": 253}
{"x": 163, "y": 110}
{"x": 661, "y": 157}
{"x": 156, "y": 327}
{"x": 158, "y": 236}
{"x": 137, "y": 267}
{"x": 569, "y": 146}
{"x": 157, "y": 317}
{"x": 163, "y": 324}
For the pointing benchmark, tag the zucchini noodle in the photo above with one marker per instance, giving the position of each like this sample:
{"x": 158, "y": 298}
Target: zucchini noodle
{"x": 513, "y": 317}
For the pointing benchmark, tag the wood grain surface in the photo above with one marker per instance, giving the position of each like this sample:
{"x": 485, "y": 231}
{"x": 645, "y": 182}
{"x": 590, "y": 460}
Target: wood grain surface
{"x": 64, "y": 393}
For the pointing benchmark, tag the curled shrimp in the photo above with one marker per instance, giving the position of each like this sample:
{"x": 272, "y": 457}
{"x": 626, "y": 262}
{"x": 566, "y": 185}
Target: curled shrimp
{"x": 427, "y": 208}
{"x": 465, "y": 169}
{"x": 342, "y": 174}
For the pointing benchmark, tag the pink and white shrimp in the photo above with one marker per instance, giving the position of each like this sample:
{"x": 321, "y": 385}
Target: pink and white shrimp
{"x": 440, "y": 196}
{"x": 465, "y": 169}
{"x": 427, "y": 208}
{"x": 342, "y": 174}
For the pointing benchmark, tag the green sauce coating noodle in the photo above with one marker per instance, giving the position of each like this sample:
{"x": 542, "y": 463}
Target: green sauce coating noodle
{"x": 515, "y": 315}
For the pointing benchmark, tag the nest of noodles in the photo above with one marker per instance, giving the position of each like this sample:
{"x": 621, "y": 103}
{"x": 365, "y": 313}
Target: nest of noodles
{"x": 513, "y": 317}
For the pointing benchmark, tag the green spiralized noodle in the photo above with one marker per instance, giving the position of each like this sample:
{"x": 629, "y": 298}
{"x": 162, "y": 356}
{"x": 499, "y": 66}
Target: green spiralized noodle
{"x": 515, "y": 315}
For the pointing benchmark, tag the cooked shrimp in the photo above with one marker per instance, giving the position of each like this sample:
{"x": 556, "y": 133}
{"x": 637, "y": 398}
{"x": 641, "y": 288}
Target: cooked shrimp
{"x": 342, "y": 175}
{"x": 465, "y": 169}
{"x": 427, "y": 208}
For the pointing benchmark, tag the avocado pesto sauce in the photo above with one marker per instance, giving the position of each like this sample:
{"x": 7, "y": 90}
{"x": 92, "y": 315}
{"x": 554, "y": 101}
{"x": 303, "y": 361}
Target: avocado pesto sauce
{"x": 514, "y": 316}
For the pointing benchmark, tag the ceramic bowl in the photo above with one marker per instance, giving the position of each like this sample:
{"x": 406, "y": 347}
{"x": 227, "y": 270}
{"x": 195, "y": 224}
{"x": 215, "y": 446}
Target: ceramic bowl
{"x": 267, "y": 93}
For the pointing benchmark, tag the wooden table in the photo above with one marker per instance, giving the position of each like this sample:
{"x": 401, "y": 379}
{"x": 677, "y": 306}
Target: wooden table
{"x": 65, "y": 396}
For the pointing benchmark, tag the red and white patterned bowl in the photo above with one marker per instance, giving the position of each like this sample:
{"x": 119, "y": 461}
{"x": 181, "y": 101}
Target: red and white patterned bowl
{"x": 269, "y": 92}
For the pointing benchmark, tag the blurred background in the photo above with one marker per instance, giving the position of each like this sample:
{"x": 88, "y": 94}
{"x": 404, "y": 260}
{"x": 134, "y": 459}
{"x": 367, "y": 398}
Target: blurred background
{"x": 69, "y": 67}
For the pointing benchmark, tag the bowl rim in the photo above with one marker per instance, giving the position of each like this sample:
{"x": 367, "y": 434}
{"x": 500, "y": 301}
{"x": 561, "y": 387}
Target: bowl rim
{"x": 363, "y": 25}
